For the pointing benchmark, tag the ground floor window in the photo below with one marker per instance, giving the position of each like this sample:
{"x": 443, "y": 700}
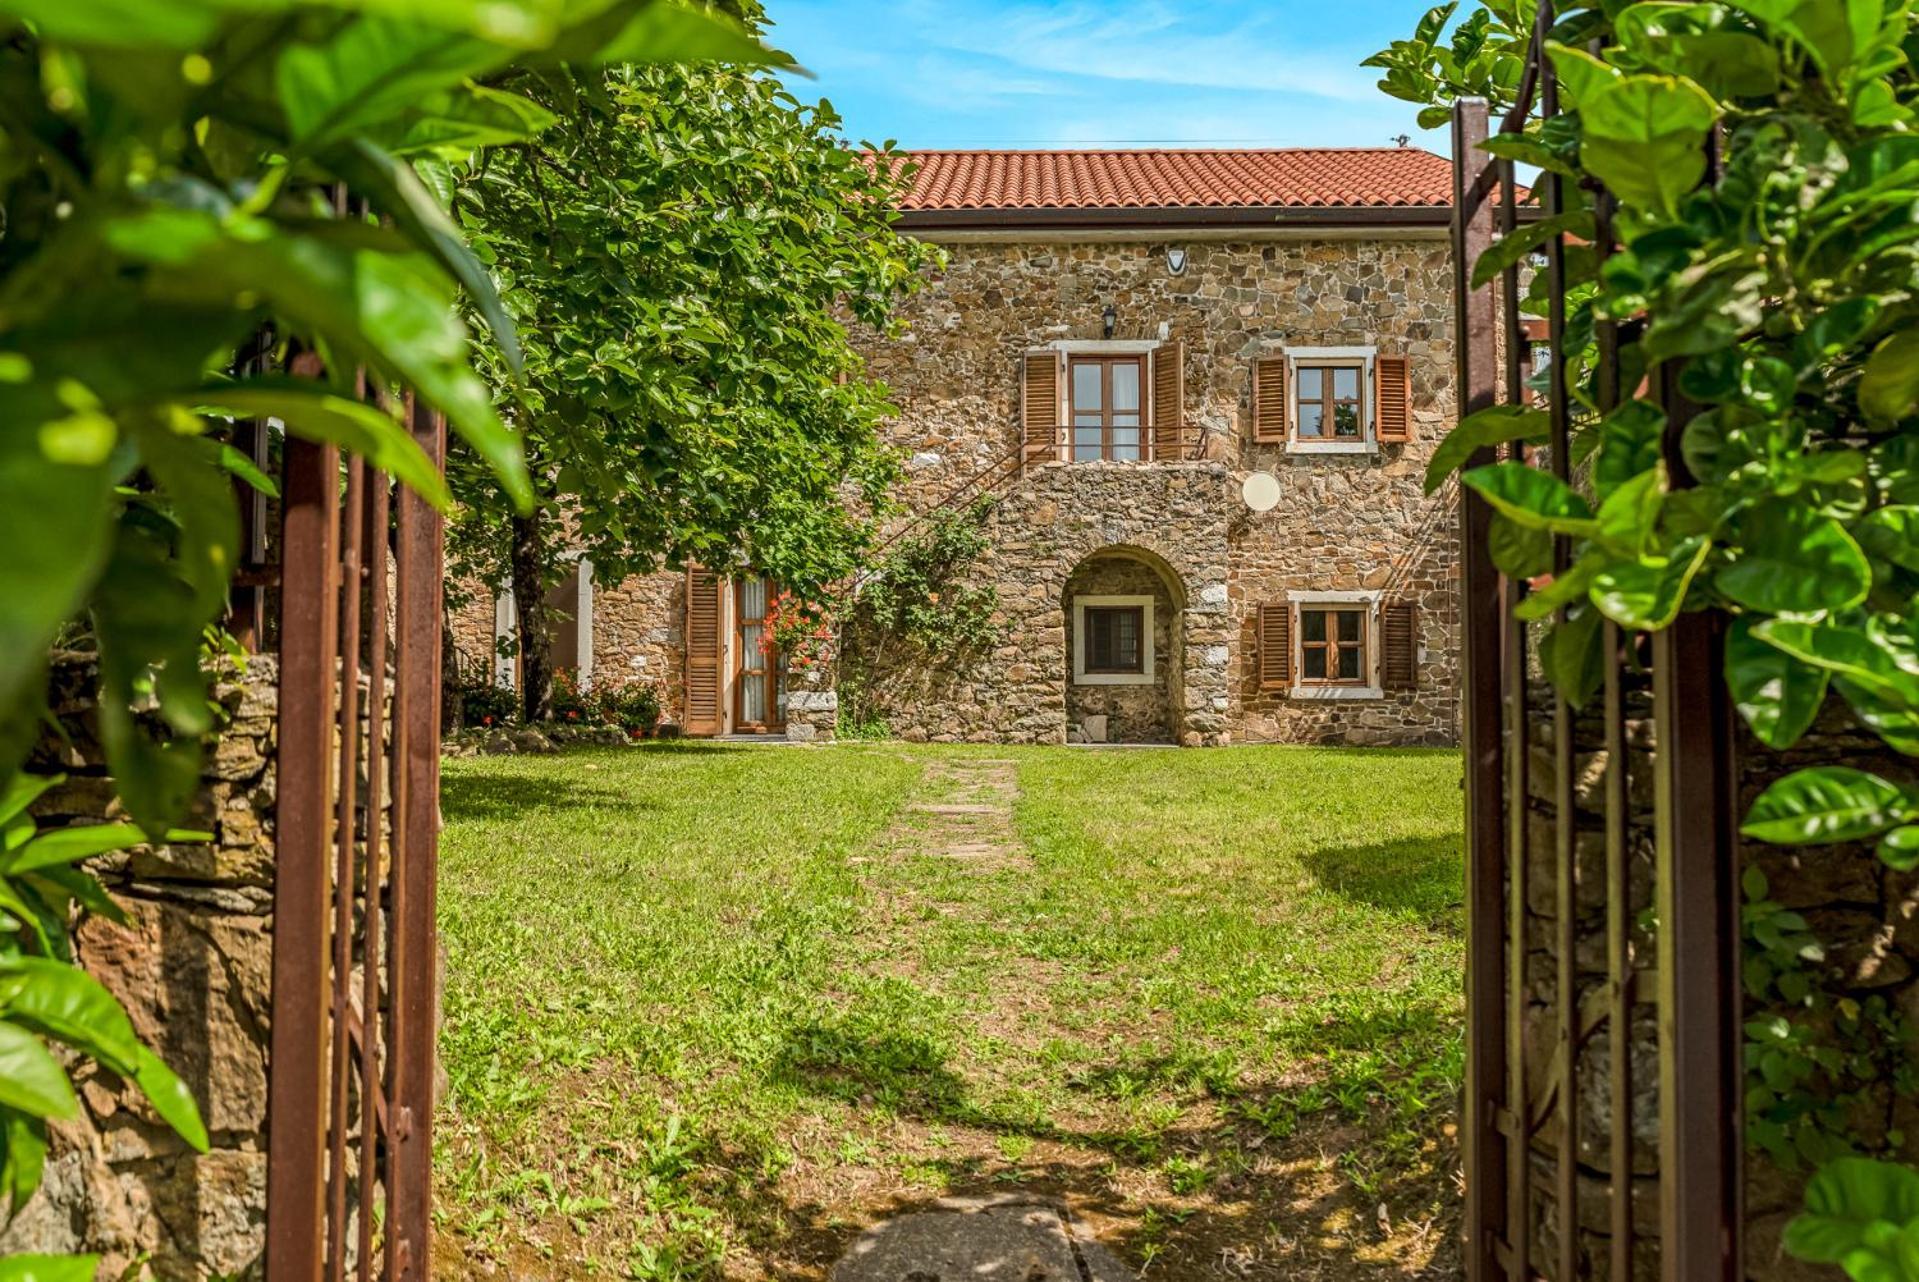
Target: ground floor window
{"x": 1113, "y": 640}
{"x": 1332, "y": 645}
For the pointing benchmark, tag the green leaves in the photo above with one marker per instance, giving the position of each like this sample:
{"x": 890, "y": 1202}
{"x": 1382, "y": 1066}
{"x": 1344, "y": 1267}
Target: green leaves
{"x": 318, "y": 415}
{"x": 49, "y": 1268}
{"x": 31, "y": 1080}
{"x": 1643, "y": 136}
{"x": 1648, "y": 593}
{"x": 372, "y": 69}
{"x": 1825, "y": 804}
{"x": 1778, "y": 696}
{"x": 1795, "y": 560}
{"x": 1863, "y": 1216}
{"x": 1531, "y": 498}
{"x": 1889, "y": 388}
{"x": 1494, "y": 425}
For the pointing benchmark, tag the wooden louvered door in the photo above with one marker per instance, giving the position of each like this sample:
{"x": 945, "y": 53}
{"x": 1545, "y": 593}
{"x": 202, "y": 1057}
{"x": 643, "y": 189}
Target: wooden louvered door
{"x": 703, "y": 652}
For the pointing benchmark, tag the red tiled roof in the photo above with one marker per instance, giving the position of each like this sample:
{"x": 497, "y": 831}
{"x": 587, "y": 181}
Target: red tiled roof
{"x": 1302, "y": 178}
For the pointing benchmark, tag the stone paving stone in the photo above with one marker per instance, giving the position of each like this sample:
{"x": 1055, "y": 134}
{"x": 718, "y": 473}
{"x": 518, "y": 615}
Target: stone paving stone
{"x": 978, "y": 1241}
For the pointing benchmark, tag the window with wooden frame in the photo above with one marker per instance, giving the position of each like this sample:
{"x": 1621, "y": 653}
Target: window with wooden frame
{"x": 1106, "y": 399}
{"x": 1329, "y": 401}
{"x": 1334, "y": 645}
{"x": 1115, "y": 639}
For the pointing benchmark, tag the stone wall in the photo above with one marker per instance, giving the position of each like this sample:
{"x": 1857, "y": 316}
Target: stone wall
{"x": 1345, "y": 522}
{"x": 1864, "y": 915}
{"x": 193, "y": 969}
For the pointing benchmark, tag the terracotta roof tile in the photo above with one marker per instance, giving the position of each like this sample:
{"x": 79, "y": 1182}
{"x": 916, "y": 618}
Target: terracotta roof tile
{"x": 1319, "y": 177}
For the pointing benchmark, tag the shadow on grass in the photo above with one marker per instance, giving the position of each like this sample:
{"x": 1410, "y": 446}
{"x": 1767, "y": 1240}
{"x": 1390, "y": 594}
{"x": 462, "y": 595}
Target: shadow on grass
{"x": 512, "y": 796}
{"x": 1260, "y": 1155}
{"x": 1411, "y": 874}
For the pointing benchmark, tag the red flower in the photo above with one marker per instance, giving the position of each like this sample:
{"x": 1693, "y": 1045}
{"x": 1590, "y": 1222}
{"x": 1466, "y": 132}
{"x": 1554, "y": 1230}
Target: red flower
{"x": 487, "y": 720}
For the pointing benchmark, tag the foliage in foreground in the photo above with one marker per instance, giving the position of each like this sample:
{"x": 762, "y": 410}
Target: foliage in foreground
{"x": 45, "y": 997}
{"x": 1774, "y": 291}
{"x": 680, "y": 250}
{"x": 166, "y": 164}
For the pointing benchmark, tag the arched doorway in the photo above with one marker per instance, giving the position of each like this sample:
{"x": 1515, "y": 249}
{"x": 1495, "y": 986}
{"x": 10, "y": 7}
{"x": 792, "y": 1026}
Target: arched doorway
{"x": 1125, "y": 649}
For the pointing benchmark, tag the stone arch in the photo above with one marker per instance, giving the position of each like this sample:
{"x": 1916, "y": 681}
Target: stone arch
{"x": 1125, "y": 707}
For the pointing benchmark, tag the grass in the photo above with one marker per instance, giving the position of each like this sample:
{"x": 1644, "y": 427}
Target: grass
{"x": 710, "y": 1009}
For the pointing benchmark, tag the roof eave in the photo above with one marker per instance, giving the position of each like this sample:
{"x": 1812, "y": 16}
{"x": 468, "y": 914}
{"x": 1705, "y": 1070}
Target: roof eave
{"x": 1016, "y": 219}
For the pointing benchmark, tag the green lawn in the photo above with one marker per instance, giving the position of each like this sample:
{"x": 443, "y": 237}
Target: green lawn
{"x": 710, "y": 1009}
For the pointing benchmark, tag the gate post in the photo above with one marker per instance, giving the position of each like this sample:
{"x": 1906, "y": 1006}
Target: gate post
{"x": 1482, "y": 621}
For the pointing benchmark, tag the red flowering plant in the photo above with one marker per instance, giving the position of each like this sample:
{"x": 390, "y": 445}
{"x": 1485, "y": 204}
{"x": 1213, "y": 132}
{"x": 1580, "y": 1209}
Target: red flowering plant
{"x": 800, "y": 631}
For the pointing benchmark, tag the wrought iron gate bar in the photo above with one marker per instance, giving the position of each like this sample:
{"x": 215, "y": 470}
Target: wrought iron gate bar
{"x": 1522, "y": 1129}
{"x": 355, "y": 951}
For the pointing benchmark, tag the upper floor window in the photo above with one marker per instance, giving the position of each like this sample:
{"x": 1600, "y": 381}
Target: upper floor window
{"x": 1105, "y": 403}
{"x": 1331, "y": 401}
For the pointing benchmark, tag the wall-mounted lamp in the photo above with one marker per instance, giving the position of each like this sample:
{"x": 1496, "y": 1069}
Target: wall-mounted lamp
{"x": 1176, "y": 259}
{"x": 1110, "y": 318}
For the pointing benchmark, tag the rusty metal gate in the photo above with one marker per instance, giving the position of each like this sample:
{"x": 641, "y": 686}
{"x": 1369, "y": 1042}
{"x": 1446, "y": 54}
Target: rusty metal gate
{"x": 350, "y": 1077}
{"x": 1601, "y": 887}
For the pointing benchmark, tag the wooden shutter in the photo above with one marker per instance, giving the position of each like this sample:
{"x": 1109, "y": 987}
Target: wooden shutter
{"x": 1039, "y": 412}
{"x": 1169, "y": 401}
{"x": 1399, "y": 645}
{"x": 703, "y": 650}
{"x": 1392, "y": 400}
{"x": 1275, "y": 647}
{"x": 1269, "y": 399}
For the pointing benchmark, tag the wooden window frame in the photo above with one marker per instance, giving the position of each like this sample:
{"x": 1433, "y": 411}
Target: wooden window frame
{"x": 1146, "y": 673}
{"x": 1361, "y": 400}
{"x": 1089, "y": 619}
{"x": 1106, "y": 361}
{"x": 1335, "y": 642}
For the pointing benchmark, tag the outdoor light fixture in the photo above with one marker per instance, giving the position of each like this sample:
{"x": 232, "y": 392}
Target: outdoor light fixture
{"x": 1111, "y": 319}
{"x": 1176, "y": 259}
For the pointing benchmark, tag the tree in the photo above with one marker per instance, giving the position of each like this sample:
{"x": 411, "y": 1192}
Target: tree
{"x": 165, "y": 185}
{"x": 678, "y": 251}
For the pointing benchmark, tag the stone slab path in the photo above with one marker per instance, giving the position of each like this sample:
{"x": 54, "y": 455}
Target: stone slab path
{"x": 963, "y": 810}
{"x": 980, "y": 1240}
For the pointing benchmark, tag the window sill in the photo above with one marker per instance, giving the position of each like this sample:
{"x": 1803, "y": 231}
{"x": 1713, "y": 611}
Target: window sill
{"x": 1112, "y": 678}
{"x": 1337, "y": 692}
{"x": 1331, "y": 447}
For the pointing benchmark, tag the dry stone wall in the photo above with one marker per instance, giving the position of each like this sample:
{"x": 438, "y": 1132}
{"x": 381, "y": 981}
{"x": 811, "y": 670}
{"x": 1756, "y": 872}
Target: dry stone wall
{"x": 193, "y": 968}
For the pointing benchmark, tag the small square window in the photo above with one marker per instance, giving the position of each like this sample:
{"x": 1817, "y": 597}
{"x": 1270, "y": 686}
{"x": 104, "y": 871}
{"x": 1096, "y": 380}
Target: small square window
{"x": 1329, "y": 400}
{"x": 1332, "y": 645}
{"x": 1115, "y": 639}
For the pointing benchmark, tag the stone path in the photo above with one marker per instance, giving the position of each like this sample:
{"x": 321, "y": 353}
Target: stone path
{"x": 964, "y": 811}
{"x": 1009, "y": 1239}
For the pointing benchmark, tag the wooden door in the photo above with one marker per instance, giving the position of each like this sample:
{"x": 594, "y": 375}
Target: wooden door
{"x": 757, "y": 693}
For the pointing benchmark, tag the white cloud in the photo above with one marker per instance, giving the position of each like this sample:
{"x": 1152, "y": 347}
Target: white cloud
{"x": 1149, "y": 42}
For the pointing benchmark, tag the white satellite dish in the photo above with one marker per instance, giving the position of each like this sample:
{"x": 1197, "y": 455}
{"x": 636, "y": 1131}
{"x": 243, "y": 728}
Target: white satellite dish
{"x": 1261, "y": 491}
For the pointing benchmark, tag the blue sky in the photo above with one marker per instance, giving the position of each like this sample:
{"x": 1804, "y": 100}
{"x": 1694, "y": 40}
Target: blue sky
{"x": 1087, "y": 73}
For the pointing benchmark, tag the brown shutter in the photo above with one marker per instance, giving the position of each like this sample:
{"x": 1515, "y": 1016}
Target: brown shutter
{"x": 1169, "y": 401}
{"x": 1275, "y": 647}
{"x": 1039, "y": 407}
{"x": 1269, "y": 399}
{"x": 703, "y": 588}
{"x": 1393, "y": 400}
{"x": 1399, "y": 645}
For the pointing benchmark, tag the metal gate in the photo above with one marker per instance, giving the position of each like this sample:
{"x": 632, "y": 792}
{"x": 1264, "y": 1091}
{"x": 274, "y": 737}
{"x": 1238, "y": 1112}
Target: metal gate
{"x": 1601, "y": 886}
{"x": 355, "y": 952}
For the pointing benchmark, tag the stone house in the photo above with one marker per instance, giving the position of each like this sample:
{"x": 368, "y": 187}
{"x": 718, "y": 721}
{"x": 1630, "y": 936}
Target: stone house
{"x": 1202, "y": 388}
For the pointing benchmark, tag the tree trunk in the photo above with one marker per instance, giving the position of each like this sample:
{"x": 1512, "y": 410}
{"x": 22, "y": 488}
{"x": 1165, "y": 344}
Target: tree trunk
{"x": 536, "y": 630}
{"x": 452, "y": 680}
